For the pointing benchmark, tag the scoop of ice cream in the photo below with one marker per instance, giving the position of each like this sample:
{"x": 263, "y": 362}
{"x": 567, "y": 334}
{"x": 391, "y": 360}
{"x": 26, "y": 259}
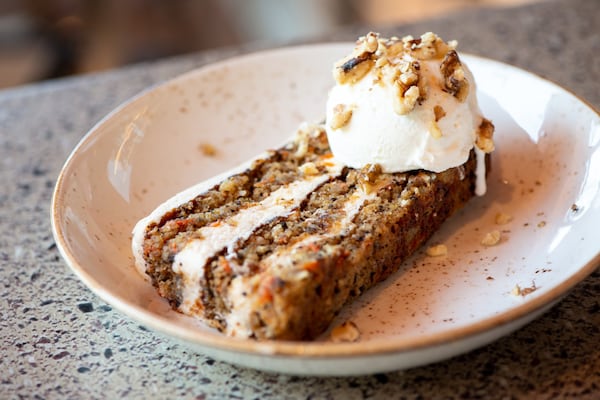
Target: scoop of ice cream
{"x": 404, "y": 104}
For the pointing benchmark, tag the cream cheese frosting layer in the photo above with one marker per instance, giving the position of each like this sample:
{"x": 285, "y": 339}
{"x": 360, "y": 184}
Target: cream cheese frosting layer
{"x": 190, "y": 261}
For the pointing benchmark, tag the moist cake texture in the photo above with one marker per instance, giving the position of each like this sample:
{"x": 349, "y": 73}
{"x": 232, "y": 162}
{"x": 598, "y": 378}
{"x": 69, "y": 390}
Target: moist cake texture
{"x": 275, "y": 251}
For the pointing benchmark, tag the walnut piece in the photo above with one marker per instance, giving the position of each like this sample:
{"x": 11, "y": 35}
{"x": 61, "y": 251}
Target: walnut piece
{"x": 353, "y": 69}
{"x": 485, "y": 134}
{"x": 503, "y": 219}
{"x": 437, "y": 250}
{"x": 346, "y": 332}
{"x": 368, "y": 176}
{"x": 428, "y": 46}
{"x": 370, "y": 42}
{"x": 439, "y": 113}
{"x": 453, "y": 73}
{"x": 434, "y": 130}
{"x": 408, "y": 87}
{"x": 519, "y": 291}
{"x": 491, "y": 238}
{"x": 341, "y": 116}
{"x": 207, "y": 149}
{"x": 405, "y": 100}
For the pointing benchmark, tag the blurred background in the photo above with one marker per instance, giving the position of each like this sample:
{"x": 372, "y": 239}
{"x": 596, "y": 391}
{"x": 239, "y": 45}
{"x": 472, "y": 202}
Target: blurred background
{"x": 44, "y": 39}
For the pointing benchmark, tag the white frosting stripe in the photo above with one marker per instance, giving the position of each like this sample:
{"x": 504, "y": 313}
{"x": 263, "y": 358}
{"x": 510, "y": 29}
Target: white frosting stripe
{"x": 351, "y": 208}
{"x": 190, "y": 261}
{"x": 237, "y": 319}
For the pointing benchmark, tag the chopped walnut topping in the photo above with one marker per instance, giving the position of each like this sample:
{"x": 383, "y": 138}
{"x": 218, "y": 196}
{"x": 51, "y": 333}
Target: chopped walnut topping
{"x": 439, "y": 113}
{"x": 370, "y": 42}
{"x": 405, "y": 101}
{"x": 341, "y": 116}
{"x": 381, "y": 62}
{"x": 371, "y": 171}
{"x": 408, "y": 86}
{"x": 396, "y": 64}
{"x": 437, "y": 250}
{"x": 485, "y": 134}
{"x": 368, "y": 176}
{"x": 434, "y": 130}
{"x": 352, "y": 69}
{"x": 346, "y": 332}
{"x": 453, "y": 73}
{"x": 428, "y": 46}
{"x": 491, "y": 238}
{"x": 407, "y": 39}
{"x": 408, "y": 78}
{"x": 503, "y": 219}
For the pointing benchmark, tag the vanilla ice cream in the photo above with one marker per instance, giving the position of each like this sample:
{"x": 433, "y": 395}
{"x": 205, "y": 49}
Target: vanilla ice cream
{"x": 406, "y": 104}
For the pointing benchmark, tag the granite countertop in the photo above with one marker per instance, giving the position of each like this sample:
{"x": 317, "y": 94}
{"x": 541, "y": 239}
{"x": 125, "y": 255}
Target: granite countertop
{"x": 58, "y": 340}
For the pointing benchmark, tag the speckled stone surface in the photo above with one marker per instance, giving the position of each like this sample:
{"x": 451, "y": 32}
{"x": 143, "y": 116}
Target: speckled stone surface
{"x": 58, "y": 340}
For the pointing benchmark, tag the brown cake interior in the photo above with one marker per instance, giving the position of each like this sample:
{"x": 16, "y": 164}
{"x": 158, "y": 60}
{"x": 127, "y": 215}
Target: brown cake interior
{"x": 322, "y": 265}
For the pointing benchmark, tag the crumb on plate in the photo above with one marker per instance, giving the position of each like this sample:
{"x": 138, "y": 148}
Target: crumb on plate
{"x": 346, "y": 332}
{"x": 491, "y": 238}
{"x": 207, "y": 149}
{"x": 519, "y": 291}
{"x": 503, "y": 219}
{"x": 437, "y": 250}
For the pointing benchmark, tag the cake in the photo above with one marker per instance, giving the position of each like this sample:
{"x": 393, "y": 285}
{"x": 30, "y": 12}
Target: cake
{"x": 276, "y": 247}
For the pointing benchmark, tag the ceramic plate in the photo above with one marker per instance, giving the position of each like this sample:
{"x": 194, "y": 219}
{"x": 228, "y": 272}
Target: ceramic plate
{"x": 545, "y": 179}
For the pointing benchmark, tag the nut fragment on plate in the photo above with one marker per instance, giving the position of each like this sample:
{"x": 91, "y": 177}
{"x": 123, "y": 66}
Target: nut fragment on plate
{"x": 207, "y": 149}
{"x": 437, "y": 250}
{"x": 303, "y": 135}
{"x": 491, "y": 238}
{"x": 503, "y": 219}
{"x": 346, "y": 332}
{"x": 519, "y": 291}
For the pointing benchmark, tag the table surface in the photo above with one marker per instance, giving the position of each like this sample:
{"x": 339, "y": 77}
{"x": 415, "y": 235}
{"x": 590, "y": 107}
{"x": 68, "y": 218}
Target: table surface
{"x": 58, "y": 340}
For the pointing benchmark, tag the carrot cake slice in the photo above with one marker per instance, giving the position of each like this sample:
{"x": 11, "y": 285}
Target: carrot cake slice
{"x": 274, "y": 248}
